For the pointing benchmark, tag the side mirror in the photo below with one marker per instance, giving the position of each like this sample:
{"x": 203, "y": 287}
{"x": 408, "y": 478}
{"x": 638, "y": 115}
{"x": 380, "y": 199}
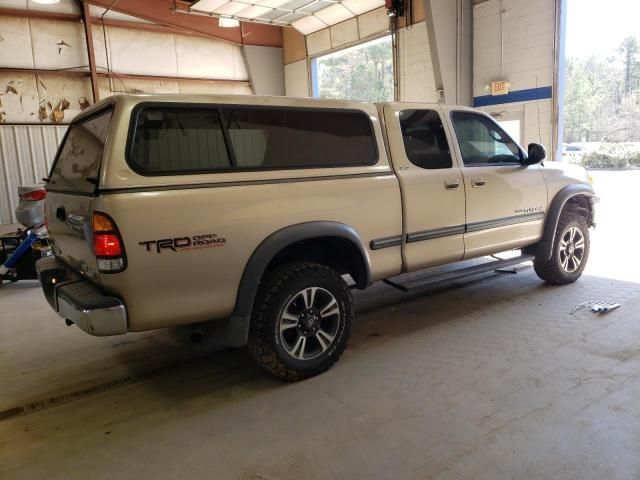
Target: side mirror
{"x": 536, "y": 154}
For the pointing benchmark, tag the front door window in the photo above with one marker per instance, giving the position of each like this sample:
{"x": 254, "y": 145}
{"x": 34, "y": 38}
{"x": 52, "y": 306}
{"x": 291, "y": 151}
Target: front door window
{"x": 482, "y": 141}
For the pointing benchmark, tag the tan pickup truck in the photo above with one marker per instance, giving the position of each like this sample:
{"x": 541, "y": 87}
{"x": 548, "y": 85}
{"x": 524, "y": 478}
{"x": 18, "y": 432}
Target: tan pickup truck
{"x": 261, "y": 214}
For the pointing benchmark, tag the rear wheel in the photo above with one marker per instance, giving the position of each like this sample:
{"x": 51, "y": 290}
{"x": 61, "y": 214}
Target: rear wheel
{"x": 301, "y": 320}
{"x": 570, "y": 251}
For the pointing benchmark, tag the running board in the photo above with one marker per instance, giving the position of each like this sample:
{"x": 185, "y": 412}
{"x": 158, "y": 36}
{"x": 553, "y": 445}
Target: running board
{"x": 447, "y": 278}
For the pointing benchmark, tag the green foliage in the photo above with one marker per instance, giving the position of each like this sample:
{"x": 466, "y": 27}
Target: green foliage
{"x": 613, "y": 155}
{"x": 364, "y": 74}
{"x": 602, "y": 97}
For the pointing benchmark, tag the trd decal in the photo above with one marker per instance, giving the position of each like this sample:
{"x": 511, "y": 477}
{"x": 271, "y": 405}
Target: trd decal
{"x": 179, "y": 244}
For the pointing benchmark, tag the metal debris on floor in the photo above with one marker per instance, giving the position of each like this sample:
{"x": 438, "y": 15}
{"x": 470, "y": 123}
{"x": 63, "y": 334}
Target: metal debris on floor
{"x": 597, "y": 306}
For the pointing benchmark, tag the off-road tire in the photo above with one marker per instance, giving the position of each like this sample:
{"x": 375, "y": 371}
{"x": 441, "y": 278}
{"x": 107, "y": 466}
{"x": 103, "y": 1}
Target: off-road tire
{"x": 277, "y": 290}
{"x": 551, "y": 270}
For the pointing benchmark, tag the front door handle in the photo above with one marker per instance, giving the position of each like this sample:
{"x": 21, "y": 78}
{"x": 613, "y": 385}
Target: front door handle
{"x": 452, "y": 184}
{"x": 478, "y": 182}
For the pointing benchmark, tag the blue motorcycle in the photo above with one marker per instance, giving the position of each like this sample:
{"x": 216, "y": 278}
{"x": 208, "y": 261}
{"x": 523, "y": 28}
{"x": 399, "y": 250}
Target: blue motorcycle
{"x": 20, "y": 250}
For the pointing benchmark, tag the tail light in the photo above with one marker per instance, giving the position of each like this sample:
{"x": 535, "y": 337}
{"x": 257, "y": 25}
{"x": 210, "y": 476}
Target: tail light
{"x": 34, "y": 196}
{"x": 107, "y": 244}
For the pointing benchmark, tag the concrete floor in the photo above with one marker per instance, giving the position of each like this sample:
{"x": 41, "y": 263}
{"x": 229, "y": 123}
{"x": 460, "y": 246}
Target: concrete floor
{"x": 494, "y": 380}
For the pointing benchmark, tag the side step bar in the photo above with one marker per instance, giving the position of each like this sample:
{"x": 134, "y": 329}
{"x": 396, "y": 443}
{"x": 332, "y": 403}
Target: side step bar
{"x": 447, "y": 278}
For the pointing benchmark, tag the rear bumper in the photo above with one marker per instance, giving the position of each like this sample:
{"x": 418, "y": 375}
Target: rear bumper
{"x": 79, "y": 301}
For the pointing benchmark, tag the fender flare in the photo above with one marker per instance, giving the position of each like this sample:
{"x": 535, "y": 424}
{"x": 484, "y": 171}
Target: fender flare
{"x": 239, "y": 322}
{"x": 545, "y": 247}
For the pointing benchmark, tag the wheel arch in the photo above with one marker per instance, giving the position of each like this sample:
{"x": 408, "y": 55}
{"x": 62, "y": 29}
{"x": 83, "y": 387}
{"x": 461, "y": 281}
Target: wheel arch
{"x": 272, "y": 248}
{"x": 582, "y": 195}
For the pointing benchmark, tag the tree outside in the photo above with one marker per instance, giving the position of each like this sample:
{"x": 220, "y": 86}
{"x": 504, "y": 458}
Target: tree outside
{"x": 363, "y": 72}
{"x": 602, "y": 95}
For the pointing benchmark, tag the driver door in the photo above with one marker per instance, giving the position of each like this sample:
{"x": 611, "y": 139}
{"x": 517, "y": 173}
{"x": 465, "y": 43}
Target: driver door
{"x": 505, "y": 200}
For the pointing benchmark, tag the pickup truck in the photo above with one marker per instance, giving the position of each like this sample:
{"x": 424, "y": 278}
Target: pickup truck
{"x": 261, "y": 214}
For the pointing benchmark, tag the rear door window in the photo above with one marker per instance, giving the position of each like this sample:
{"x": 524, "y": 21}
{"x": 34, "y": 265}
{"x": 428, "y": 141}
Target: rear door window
{"x": 425, "y": 141}
{"x": 78, "y": 164}
{"x": 198, "y": 139}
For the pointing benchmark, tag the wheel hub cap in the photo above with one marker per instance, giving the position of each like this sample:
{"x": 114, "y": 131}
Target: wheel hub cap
{"x": 309, "y": 319}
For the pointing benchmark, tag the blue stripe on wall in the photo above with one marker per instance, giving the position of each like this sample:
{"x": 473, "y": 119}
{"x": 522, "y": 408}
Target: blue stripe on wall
{"x": 528, "y": 95}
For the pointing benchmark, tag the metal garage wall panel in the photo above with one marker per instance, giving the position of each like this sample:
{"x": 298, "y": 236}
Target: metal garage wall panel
{"x": 169, "y": 55}
{"x": 373, "y": 22}
{"x": 26, "y": 153}
{"x": 41, "y": 43}
{"x": 47, "y": 90}
{"x": 15, "y": 48}
{"x": 58, "y": 45}
{"x": 344, "y": 32}
{"x": 266, "y": 69}
{"x": 199, "y": 57}
{"x": 296, "y": 79}
{"x": 140, "y": 52}
{"x": 319, "y": 42}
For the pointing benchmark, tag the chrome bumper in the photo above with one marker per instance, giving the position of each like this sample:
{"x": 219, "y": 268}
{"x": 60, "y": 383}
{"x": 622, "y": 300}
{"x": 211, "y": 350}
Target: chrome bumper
{"x": 79, "y": 301}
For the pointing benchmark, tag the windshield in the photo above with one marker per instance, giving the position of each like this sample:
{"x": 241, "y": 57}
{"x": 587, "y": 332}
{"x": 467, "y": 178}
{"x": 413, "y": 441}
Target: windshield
{"x": 78, "y": 164}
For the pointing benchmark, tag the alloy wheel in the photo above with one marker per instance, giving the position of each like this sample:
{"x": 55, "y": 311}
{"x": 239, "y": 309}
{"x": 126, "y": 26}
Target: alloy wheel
{"x": 309, "y": 323}
{"x": 571, "y": 249}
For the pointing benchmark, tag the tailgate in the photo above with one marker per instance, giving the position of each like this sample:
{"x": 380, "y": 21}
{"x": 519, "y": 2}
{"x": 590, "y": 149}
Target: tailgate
{"x": 72, "y": 185}
{"x": 70, "y": 232}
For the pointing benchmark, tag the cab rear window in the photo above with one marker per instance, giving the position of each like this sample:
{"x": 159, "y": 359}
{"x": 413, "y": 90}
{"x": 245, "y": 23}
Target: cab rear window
{"x": 78, "y": 163}
{"x": 170, "y": 140}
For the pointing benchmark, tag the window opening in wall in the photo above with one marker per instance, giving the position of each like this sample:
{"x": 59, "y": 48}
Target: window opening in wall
{"x": 363, "y": 72}
{"x": 512, "y": 127}
{"x": 600, "y": 75}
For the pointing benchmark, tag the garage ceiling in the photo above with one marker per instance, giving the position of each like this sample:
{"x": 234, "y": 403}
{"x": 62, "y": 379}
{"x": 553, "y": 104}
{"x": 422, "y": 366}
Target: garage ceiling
{"x": 306, "y": 16}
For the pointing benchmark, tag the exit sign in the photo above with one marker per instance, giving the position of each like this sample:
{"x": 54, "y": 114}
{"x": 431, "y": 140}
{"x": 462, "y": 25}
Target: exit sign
{"x": 500, "y": 88}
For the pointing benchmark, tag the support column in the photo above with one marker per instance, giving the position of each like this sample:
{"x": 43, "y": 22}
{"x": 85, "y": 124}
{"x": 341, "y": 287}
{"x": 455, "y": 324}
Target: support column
{"x": 88, "y": 34}
{"x": 449, "y": 25}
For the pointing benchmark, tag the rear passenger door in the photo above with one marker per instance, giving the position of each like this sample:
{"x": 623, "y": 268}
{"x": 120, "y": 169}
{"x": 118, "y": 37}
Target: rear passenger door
{"x": 431, "y": 184}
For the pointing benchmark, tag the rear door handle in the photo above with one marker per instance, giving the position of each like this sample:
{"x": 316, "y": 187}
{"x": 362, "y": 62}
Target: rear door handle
{"x": 478, "y": 182}
{"x": 452, "y": 184}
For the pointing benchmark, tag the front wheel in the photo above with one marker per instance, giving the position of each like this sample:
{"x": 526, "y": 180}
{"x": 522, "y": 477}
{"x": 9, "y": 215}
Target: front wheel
{"x": 301, "y": 320}
{"x": 570, "y": 251}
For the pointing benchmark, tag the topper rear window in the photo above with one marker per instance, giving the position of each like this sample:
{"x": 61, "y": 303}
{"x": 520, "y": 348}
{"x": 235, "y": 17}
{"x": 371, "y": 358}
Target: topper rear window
{"x": 77, "y": 165}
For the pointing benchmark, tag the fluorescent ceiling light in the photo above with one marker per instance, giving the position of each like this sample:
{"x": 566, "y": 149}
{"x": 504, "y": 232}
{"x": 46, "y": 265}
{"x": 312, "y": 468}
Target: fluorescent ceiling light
{"x": 230, "y": 8}
{"x": 46, "y": 2}
{"x": 334, "y": 14}
{"x": 307, "y": 25}
{"x": 362, "y": 6}
{"x": 208, "y": 5}
{"x": 225, "y": 22}
{"x": 253, "y": 11}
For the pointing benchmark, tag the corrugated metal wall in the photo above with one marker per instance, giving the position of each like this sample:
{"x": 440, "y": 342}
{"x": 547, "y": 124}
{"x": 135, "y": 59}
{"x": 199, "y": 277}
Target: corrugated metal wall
{"x": 26, "y": 153}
